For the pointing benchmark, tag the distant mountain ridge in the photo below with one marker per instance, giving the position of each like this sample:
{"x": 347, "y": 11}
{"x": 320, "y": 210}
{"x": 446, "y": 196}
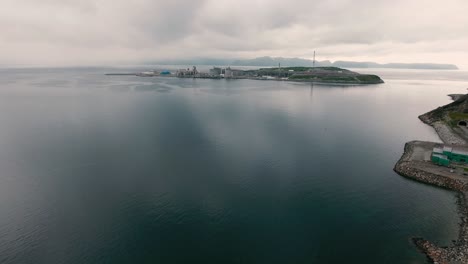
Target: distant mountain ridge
{"x": 291, "y": 62}
{"x": 288, "y": 62}
{"x": 421, "y": 66}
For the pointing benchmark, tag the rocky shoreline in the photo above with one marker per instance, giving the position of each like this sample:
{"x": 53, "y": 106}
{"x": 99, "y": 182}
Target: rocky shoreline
{"x": 455, "y": 97}
{"x": 458, "y": 252}
{"x": 426, "y": 172}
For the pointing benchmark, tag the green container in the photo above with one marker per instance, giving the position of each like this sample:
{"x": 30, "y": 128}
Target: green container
{"x": 440, "y": 160}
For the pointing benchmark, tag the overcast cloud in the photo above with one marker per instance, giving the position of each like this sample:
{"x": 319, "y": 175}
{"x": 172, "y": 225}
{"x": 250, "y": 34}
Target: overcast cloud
{"x": 103, "y": 32}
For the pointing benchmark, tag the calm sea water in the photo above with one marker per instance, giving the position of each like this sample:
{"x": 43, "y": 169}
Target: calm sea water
{"x": 121, "y": 169}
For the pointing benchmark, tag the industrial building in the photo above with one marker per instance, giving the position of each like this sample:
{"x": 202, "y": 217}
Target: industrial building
{"x": 227, "y": 72}
{"x": 447, "y": 155}
{"x": 187, "y": 72}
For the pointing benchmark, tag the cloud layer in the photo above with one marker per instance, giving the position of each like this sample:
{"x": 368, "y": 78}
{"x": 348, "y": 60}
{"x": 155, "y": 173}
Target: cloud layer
{"x": 98, "y": 32}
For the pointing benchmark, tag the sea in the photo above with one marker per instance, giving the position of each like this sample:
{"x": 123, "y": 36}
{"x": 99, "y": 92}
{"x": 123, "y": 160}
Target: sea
{"x": 126, "y": 169}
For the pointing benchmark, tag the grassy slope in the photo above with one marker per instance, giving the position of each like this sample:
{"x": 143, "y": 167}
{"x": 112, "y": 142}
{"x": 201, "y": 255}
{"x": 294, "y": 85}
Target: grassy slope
{"x": 320, "y": 74}
{"x": 450, "y": 114}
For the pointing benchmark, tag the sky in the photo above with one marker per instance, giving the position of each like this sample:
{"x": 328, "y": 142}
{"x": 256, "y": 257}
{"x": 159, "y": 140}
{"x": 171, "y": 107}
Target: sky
{"x": 107, "y": 32}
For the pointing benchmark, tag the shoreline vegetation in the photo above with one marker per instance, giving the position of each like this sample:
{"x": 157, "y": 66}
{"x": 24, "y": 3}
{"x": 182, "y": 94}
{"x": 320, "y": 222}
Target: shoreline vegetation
{"x": 319, "y": 75}
{"x": 416, "y": 164}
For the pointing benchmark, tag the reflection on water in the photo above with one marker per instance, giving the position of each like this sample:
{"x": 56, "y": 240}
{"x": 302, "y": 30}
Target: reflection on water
{"x": 152, "y": 88}
{"x": 121, "y": 169}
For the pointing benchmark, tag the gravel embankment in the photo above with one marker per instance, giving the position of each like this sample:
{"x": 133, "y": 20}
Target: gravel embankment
{"x": 447, "y": 135}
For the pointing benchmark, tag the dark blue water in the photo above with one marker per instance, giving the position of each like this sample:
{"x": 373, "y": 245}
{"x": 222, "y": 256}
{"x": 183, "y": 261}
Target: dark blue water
{"x": 121, "y": 169}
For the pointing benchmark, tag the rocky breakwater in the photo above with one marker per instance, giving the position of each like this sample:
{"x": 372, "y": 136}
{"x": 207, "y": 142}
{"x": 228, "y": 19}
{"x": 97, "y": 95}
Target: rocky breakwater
{"x": 414, "y": 165}
{"x": 458, "y": 253}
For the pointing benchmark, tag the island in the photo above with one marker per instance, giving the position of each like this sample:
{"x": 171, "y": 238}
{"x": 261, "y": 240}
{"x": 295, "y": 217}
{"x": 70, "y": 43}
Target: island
{"x": 319, "y": 75}
{"x": 444, "y": 165}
